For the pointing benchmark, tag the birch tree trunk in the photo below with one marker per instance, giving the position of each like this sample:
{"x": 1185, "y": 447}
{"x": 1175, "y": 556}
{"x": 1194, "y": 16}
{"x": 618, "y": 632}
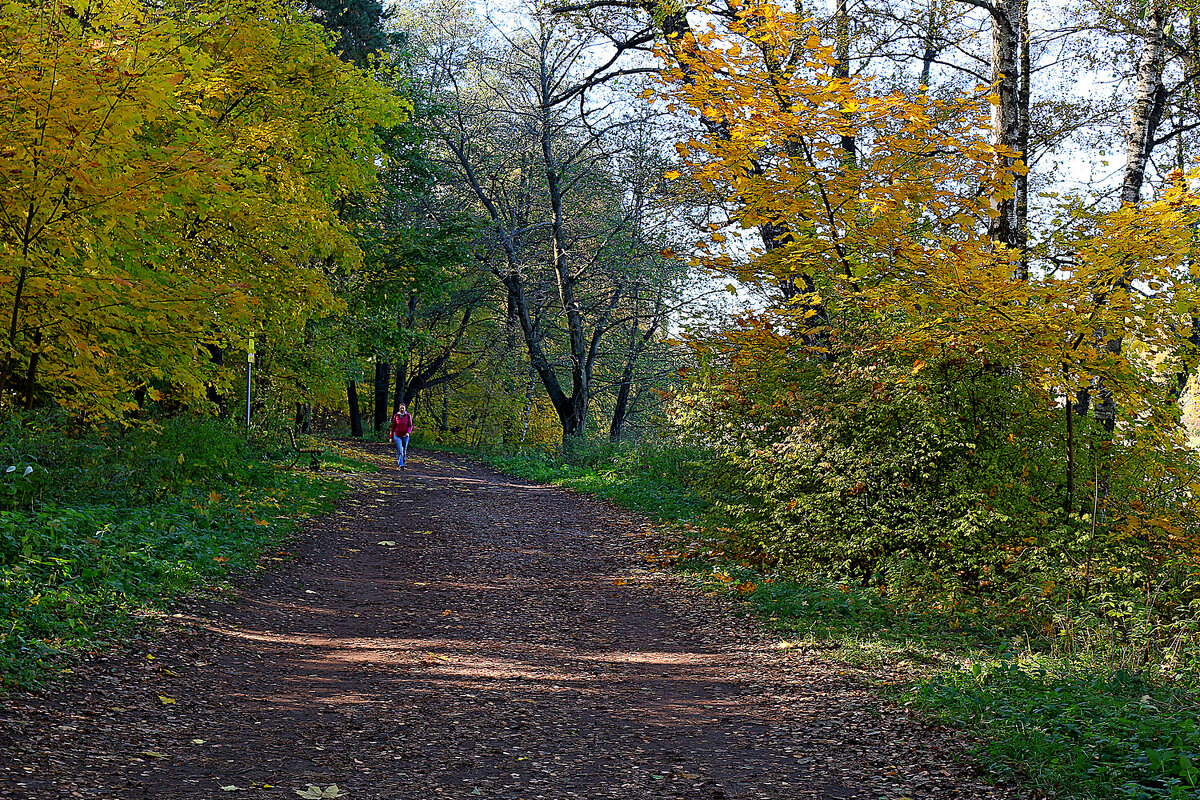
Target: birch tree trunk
{"x": 1149, "y": 97}
{"x": 929, "y": 49}
{"x": 1021, "y": 181}
{"x": 1148, "y": 100}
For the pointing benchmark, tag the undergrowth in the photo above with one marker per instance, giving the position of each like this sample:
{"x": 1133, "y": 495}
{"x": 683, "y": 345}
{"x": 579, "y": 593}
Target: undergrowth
{"x": 101, "y": 528}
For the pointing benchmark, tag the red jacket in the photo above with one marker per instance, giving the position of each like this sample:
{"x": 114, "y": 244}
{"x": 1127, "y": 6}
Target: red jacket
{"x": 401, "y": 424}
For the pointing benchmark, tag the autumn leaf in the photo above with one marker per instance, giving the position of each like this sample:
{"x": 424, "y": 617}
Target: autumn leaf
{"x": 314, "y": 792}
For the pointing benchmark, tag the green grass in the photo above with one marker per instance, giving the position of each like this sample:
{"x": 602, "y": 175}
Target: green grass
{"x": 1077, "y": 733}
{"x": 342, "y": 459}
{"x": 642, "y": 477}
{"x": 853, "y": 625}
{"x": 99, "y": 531}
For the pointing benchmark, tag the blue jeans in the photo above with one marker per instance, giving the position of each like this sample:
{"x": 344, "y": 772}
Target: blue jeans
{"x": 401, "y": 449}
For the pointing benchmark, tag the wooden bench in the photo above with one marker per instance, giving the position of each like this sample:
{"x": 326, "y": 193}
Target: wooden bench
{"x": 313, "y": 453}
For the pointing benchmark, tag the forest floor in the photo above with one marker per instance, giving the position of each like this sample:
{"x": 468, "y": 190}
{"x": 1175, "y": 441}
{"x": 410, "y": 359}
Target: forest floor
{"x": 450, "y": 632}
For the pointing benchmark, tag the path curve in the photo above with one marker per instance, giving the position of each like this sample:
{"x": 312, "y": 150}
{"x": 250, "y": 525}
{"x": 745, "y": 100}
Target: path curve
{"x": 450, "y": 632}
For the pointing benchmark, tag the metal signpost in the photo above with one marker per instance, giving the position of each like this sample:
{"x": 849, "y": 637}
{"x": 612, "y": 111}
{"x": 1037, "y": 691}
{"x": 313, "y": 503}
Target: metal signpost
{"x": 249, "y": 375}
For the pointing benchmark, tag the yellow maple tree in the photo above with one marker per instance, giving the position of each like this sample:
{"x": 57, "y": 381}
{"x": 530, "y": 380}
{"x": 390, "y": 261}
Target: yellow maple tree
{"x": 170, "y": 179}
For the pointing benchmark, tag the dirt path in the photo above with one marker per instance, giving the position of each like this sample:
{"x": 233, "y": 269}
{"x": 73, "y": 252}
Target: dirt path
{"x": 509, "y": 644}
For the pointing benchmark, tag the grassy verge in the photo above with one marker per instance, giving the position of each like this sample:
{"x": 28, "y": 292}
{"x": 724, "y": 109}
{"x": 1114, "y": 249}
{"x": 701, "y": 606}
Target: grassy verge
{"x": 1075, "y": 731}
{"x": 648, "y": 479}
{"x": 1070, "y": 725}
{"x": 101, "y": 530}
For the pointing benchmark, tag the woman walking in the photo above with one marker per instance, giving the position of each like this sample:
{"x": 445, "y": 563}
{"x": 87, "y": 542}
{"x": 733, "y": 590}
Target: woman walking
{"x": 402, "y": 425}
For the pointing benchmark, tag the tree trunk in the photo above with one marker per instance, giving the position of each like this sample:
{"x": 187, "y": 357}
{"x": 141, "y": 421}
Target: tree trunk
{"x": 842, "y": 69}
{"x": 573, "y": 418}
{"x": 1021, "y": 180}
{"x": 681, "y": 44}
{"x": 1148, "y": 101}
{"x": 217, "y": 355}
{"x": 444, "y": 422}
{"x": 1070, "y": 498}
{"x": 31, "y": 374}
{"x": 573, "y": 413}
{"x": 303, "y": 418}
{"x": 622, "y": 404}
{"x": 1006, "y": 114}
{"x": 383, "y": 372}
{"x": 356, "y": 428}
{"x": 930, "y": 50}
{"x": 1190, "y": 93}
{"x": 528, "y": 415}
{"x": 401, "y": 386}
{"x": 1147, "y": 104}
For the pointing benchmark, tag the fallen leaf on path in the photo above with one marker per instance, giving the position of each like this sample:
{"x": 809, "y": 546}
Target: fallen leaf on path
{"x": 166, "y": 701}
{"x": 387, "y": 544}
{"x": 314, "y": 792}
{"x": 154, "y": 754}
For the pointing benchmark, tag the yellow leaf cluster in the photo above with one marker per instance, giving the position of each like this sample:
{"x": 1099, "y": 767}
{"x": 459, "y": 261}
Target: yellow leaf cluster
{"x": 169, "y": 179}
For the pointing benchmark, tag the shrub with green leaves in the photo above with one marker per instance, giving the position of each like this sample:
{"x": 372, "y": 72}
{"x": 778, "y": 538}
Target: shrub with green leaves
{"x": 108, "y": 525}
{"x": 951, "y": 488}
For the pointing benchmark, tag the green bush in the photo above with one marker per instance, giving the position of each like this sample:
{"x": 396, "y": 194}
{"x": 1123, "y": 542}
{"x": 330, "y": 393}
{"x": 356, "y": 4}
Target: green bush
{"x": 951, "y": 489}
{"x": 112, "y": 524}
